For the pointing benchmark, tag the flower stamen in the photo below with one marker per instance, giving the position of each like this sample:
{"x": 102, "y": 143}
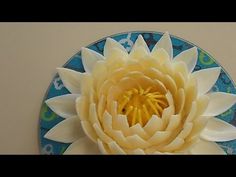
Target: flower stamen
{"x": 130, "y": 108}
{"x": 146, "y": 113}
{"x": 134, "y": 116}
{"x": 140, "y": 104}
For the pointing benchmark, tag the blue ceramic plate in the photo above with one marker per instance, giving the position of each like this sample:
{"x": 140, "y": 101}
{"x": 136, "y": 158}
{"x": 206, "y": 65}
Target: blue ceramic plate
{"x": 48, "y": 119}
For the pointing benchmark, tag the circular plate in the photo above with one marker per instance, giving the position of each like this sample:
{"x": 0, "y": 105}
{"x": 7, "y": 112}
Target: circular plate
{"x": 48, "y": 119}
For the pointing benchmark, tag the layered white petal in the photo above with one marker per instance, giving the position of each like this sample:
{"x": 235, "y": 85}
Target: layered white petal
{"x": 121, "y": 123}
{"x": 71, "y": 79}
{"x": 206, "y": 78}
{"x": 140, "y": 49}
{"x": 66, "y": 131}
{"x": 218, "y": 130}
{"x": 137, "y": 142}
{"x": 187, "y": 128}
{"x": 159, "y": 137}
{"x": 101, "y": 134}
{"x": 165, "y": 43}
{"x": 82, "y": 146}
{"x": 174, "y": 122}
{"x": 175, "y": 144}
{"x": 206, "y": 147}
{"x": 89, "y": 131}
{"x": 189, "y": 57}
{"x": 160, "y": 55}
{"x": 111, "y": 44}
{"x": 192, "y": 113}
{"x": 154, "y": 124}
{"x": 115, "y": 148}
{"x": 104, "y": 149}
{"x": 138, "y": 152}
{"x": 116, "y": 58}
{"x": 140, "y": 43}
{"x": 219, "y": 102}
{"x": 89, "y": 58}
{"x": 64, "y": 105}
{"x": 138, "y": 130}
{"x": 138, "y": 53}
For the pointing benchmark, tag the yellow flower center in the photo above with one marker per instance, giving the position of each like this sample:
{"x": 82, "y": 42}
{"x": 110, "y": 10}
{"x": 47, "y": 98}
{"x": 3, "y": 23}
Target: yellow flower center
{"x": 139, "y": 105}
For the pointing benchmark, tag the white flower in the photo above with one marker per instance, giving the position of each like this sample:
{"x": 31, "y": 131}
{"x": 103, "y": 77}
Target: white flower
{"x": 141, "y": 102}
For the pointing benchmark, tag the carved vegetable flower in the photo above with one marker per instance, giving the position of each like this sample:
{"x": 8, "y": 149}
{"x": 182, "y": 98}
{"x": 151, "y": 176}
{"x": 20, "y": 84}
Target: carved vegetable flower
{"x": 141, "y": 102}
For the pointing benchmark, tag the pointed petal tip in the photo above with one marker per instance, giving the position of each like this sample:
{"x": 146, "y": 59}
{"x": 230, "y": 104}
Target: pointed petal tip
{"x": 189, "y": 57}
{"x": 49, "y": 101}
{"x": 195, "y": 50}
{"x": 165, "y": 43}
{"x": 59, "y": 68}
{"x": 63, "y": 105}
{"x": 46, "y": 101}
{"x": 110, "y": 40}
{"x": 89, "y": 58}
{"x": 206, "y": 79}
{"x": 219, "y": 131}
{"x": 82, "y": 146}
{"x": 140, "y": 37}
{"x": 217, "y": 69}
{"x": 84, "y": 49}
{"x": 110, "y": 45}
{"x": 46, "y": 135}
{"x": 219, "y": 103}
{"x": 140, "y": 47}
{"x": 141, "y": 40}
{"x": 66, "y": 131}
{"x": 166, "y": 33}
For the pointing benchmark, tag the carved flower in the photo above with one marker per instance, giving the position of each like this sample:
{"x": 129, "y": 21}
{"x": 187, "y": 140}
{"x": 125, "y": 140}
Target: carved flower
{"x": 142, "y": 102}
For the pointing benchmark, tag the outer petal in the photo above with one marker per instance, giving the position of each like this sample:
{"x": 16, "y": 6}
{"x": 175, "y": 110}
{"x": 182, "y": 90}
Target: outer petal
{"x": 63, "y": 105}
{"x": 82, "y": 146}
{"x": 189, "y": 57}
{"x": 71, "y": 79}
{"x": 161, "y": 55}
{"x": 206, "y": 78}
{"x": 218, "y": 130}
{"x": 110, "y": 44}
{"x": 206, "y": 147}
{"x": 89, "y": 58}
{"x": 165, "y": 43}
{"x": 140, "y": 43}
{"x": 66, "y": 131}
{"x": 219, "y": 103}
